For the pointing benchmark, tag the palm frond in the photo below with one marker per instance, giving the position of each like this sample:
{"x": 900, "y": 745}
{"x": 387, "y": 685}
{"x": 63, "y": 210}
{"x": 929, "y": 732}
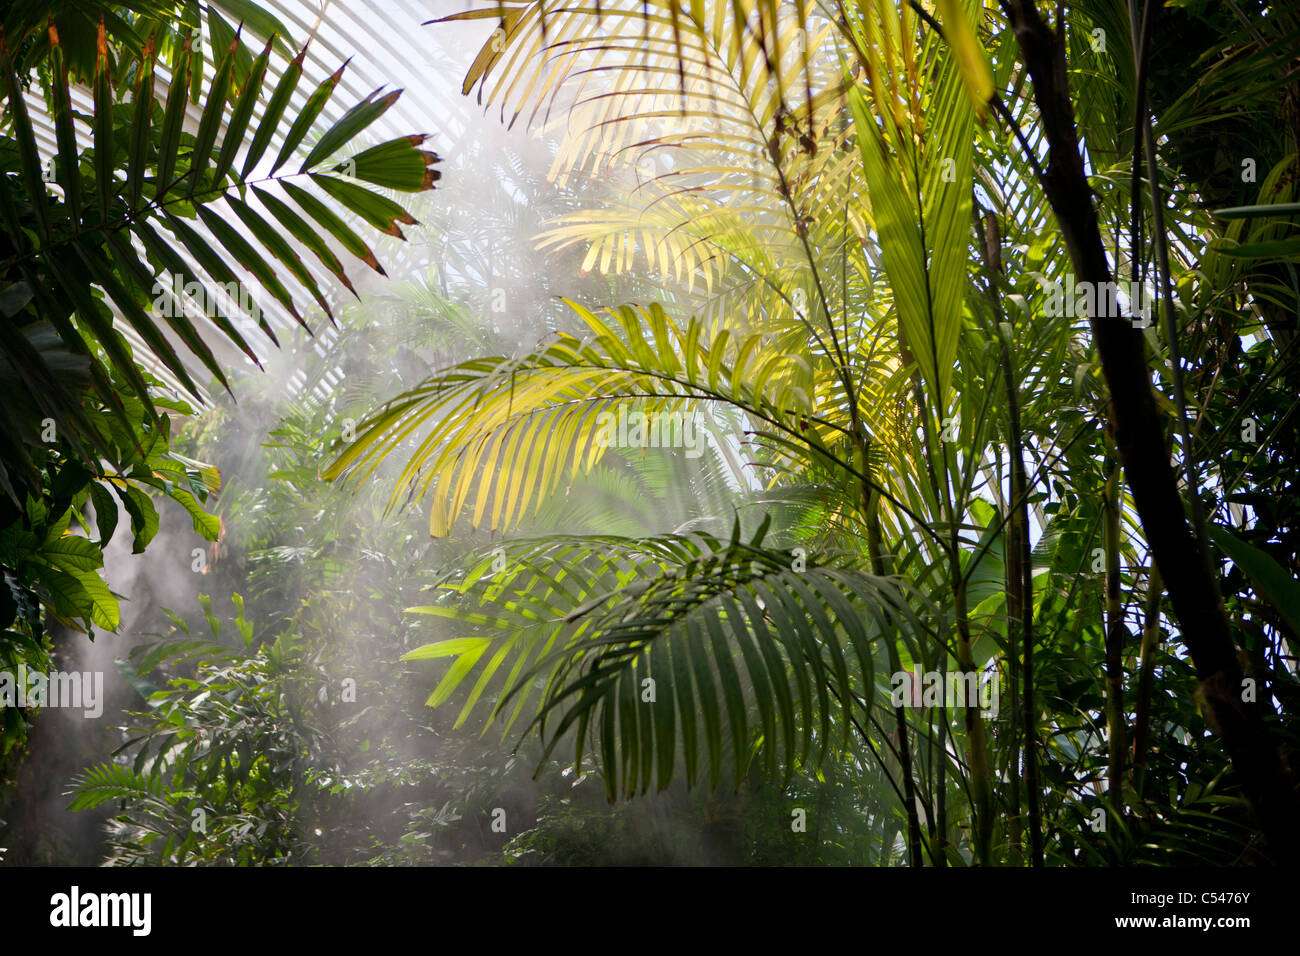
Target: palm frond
{"x": 511, "y": 429}
{"x": 113, "y": 781}
{"x": 916, "y": 135}
{"x": 647, "y": 648}
{"x": 122, "y": 213}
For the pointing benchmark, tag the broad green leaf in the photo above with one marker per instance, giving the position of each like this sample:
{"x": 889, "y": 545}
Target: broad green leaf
{"x": 1269, "y": 578}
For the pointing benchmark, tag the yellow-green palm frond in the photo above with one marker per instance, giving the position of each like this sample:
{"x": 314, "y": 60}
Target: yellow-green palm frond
{"x": 916, "y": 135}
{"x": 681, "y": 238}
{"x": 726, "y": 122}
{"x": 758, "y": 56}
{"x": 501, "y": 433}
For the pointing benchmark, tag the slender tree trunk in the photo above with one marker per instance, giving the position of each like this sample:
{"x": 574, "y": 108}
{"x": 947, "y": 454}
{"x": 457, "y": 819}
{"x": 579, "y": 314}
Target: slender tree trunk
{"x": 976, "y": 747}
{"x": 940, "y": 854}
{"x": 887, "y": 845}
{"x": 1116, "y": 638}
{"x": 1020, "y": 573}
{"x": 1014, "y": 587}
{"x": 1020, "y": 608}
{"x": 875, "y": 547}
{"x": 1146, "y": 678}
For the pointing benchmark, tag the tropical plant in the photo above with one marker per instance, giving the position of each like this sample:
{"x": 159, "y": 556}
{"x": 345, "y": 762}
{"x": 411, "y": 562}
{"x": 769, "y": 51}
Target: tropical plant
{"x": 322, "y": 743}
{"x": 808, "y": 199}
{"x": 138, "y": 244}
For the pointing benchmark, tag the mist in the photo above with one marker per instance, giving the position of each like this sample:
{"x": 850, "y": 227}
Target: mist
{"x": 624, "y": 433}
{"x": 376, "y": 776}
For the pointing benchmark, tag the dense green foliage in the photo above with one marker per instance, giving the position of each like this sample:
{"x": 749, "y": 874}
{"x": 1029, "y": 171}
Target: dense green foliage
{"x": 453, "y": 609}
{"x": 882, "y": 310}
{"x": 88, "y": 427}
